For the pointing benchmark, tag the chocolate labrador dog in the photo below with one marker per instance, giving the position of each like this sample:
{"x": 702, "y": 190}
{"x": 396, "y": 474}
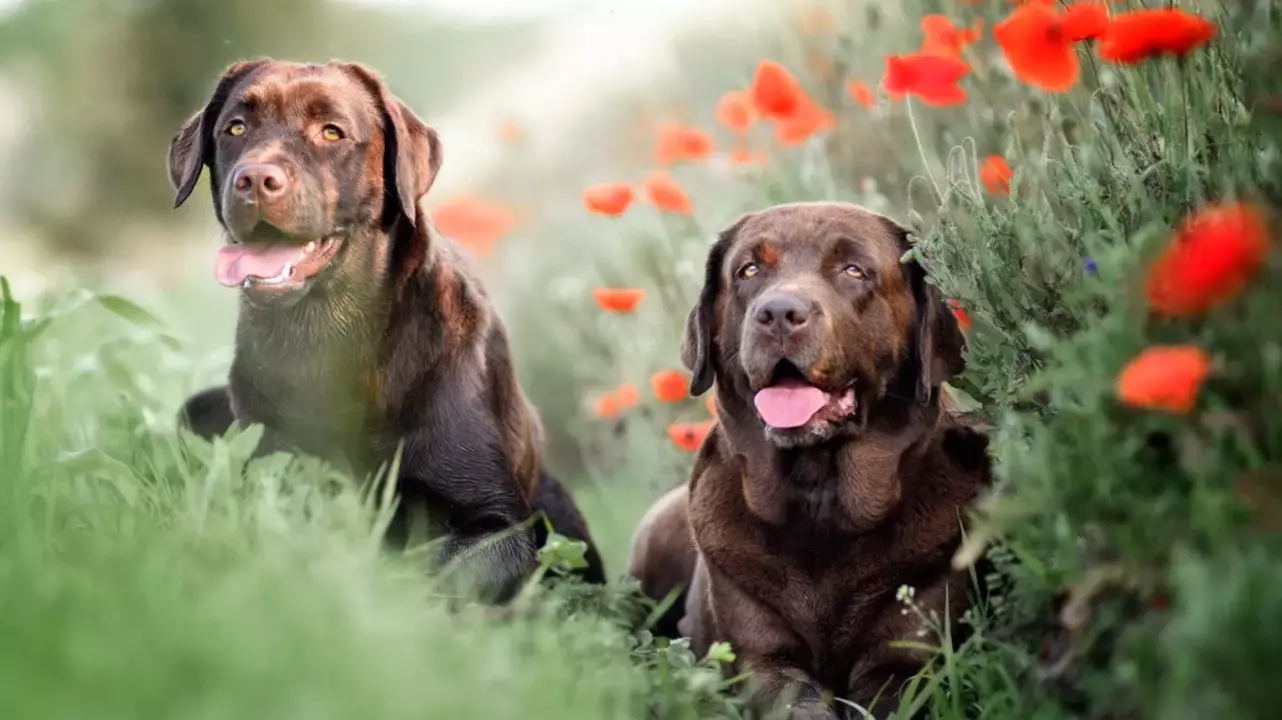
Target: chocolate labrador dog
{"x": 361, "y": 329}
{"x": 833, "y": 476}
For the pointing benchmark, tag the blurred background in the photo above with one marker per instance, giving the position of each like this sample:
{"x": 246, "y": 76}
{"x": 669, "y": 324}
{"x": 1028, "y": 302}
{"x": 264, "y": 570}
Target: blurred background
{"x": 144, "y": 578}
{"x": 534, "y": 99}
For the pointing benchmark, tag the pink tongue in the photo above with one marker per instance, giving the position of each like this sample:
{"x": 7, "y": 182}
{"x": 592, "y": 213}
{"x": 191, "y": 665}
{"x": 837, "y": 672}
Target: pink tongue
{"x": 790, "y": 405}
{"x": 261, "y": 260}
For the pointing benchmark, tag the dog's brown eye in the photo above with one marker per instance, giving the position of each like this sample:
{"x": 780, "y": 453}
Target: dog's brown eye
{"x": 748, "y": 270}
{"x": 236, "y": 128}
{"x": 854, "y": 271}
{"x": 332, "y": 133}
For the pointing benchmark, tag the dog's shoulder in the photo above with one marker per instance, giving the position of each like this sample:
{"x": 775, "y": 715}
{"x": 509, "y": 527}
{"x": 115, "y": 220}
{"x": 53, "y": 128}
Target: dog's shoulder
{"x": 964, "y": 443}
{"x": 712, "y": 487}
{"x": 955, "y": 469}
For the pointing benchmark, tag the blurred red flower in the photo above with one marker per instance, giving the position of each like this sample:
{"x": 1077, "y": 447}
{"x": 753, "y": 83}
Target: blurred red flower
{"x": 610, "y": 199}
{"x": 946, "y": 39}
{"x": 809, "y": 120}
{"x": 627, "y": 395}
{"x": 665, "y": 194}
{"x": 735, "y": 112}
{"x": 1084, "y": 21}
{"x": 996, "y": 174}
{"x": 743, "y": 155}
{"x": 775, "y": 93}
{"x": 1166, "y": 378}
{"x": 963, "y": 317}
{"x": 618, "y": 300}
{"x": 1215, "y": 253}
{"x": 1140, "y": 34}
{"x": 1038, "y": 48}
{"x": 606, "y": 406}
{"x": 472, "y": 222}
{"x": 689, "y": 436}
{"x": 861, "y": 93}
{"x": 933, "y": 78}
{"x": 679, "y": 143}
{"x": 511, "y": 132}
{"x": 670, "y": 385}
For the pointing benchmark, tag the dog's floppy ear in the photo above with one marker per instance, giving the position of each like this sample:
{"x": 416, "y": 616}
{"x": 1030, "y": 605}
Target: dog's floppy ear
{"x": 412, "y": 155}
{"x": 193, "y": 147}
{"x": 939, "y": 342}
{"x": 698, "y": 349}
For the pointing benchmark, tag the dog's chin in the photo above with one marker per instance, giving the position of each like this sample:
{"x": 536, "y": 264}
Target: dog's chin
{"x": 798, "y": 413}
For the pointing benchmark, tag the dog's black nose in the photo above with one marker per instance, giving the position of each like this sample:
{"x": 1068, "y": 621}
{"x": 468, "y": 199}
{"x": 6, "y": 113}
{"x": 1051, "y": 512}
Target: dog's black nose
{"x": 265, "y": 181}
{"x": 783, "y": 313}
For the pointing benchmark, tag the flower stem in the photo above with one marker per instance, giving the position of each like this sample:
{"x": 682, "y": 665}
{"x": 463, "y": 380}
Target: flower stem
{"x": 912, "y": 121}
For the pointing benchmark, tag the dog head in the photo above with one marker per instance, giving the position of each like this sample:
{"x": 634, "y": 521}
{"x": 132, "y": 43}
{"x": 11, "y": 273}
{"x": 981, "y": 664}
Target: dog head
{"x": 309, "y": 166}
{"x": 808, "y": 322}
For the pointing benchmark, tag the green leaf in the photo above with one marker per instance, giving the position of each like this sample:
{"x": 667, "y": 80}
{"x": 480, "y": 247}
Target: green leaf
{"x": 137, "y": 315}
{"x": 719, "y": 653}
{"x": 562, "y": 555}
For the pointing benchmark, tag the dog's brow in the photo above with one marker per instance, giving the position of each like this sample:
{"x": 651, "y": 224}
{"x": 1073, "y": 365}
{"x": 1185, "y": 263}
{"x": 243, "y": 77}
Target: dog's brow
{"x": 253, "y": 96}
{"x": 766, "y": 252}
{"x": 321, "y": 107}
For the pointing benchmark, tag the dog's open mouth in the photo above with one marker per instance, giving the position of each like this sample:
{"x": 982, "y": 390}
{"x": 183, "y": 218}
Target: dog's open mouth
{"x": 790, "y": 401}
{"x": 273, "y": 263}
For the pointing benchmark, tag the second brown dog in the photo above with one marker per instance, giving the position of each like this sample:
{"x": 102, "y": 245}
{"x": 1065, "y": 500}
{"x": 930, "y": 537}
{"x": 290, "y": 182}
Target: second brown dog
{"x": 833, "y": 477}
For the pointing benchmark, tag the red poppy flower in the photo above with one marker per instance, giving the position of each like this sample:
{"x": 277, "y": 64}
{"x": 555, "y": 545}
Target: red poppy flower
{"x": 1084, "y": 21}
{"x": 472, "y": 222}
{"x": 665, "y": 194}
{"x": 689, "y": 436}
{"x": 1166, "y": 378}
{"x": 861, "y": 93}
{"x": 963, "y": 317}
{"x": 1037, "y": 47}
{"x": 680, "y": 143}
{"x": 1141, "y": 34}
{"x": 734, "y": 111}
{"x": 618, "y": 300}
{"x": 511, "y": 132}
{"x": 670, "y": 385}
{"x": 743, "y": 155}
{"x": 627, "y": 395}
{"x": 996, "y": 174}
{"x": 775, "y": 93}
{"x": 606, "y": 406}
{"x": 809, "y": 120}
{"x": 933, "y": 78}
{"x": 945, "y": 38}
{"x": 1215, "y": 253}
{"x": 610, "y": 199}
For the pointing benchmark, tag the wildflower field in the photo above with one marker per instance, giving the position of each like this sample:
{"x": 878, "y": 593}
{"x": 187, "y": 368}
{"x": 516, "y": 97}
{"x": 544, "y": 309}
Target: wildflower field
{"x": 1094, "y": 185}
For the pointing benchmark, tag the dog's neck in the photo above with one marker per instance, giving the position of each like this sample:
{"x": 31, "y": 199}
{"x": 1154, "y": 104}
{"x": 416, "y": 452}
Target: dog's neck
{"x": 347, "y": 309}
{"x": 847, "y": 484}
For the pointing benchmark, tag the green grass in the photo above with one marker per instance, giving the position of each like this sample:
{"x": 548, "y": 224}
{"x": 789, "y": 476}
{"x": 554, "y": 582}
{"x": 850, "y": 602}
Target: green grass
{"x": 144, "y": 579}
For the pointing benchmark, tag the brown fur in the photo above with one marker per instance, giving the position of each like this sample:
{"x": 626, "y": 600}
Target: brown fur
{"x": 394, "y": 340}
{"x": 663, "y": 555}
{"x": 802, "y": 539}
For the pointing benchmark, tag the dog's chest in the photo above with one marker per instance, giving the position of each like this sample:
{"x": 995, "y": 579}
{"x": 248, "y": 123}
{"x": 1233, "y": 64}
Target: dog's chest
{"x": 321, "y": 397}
